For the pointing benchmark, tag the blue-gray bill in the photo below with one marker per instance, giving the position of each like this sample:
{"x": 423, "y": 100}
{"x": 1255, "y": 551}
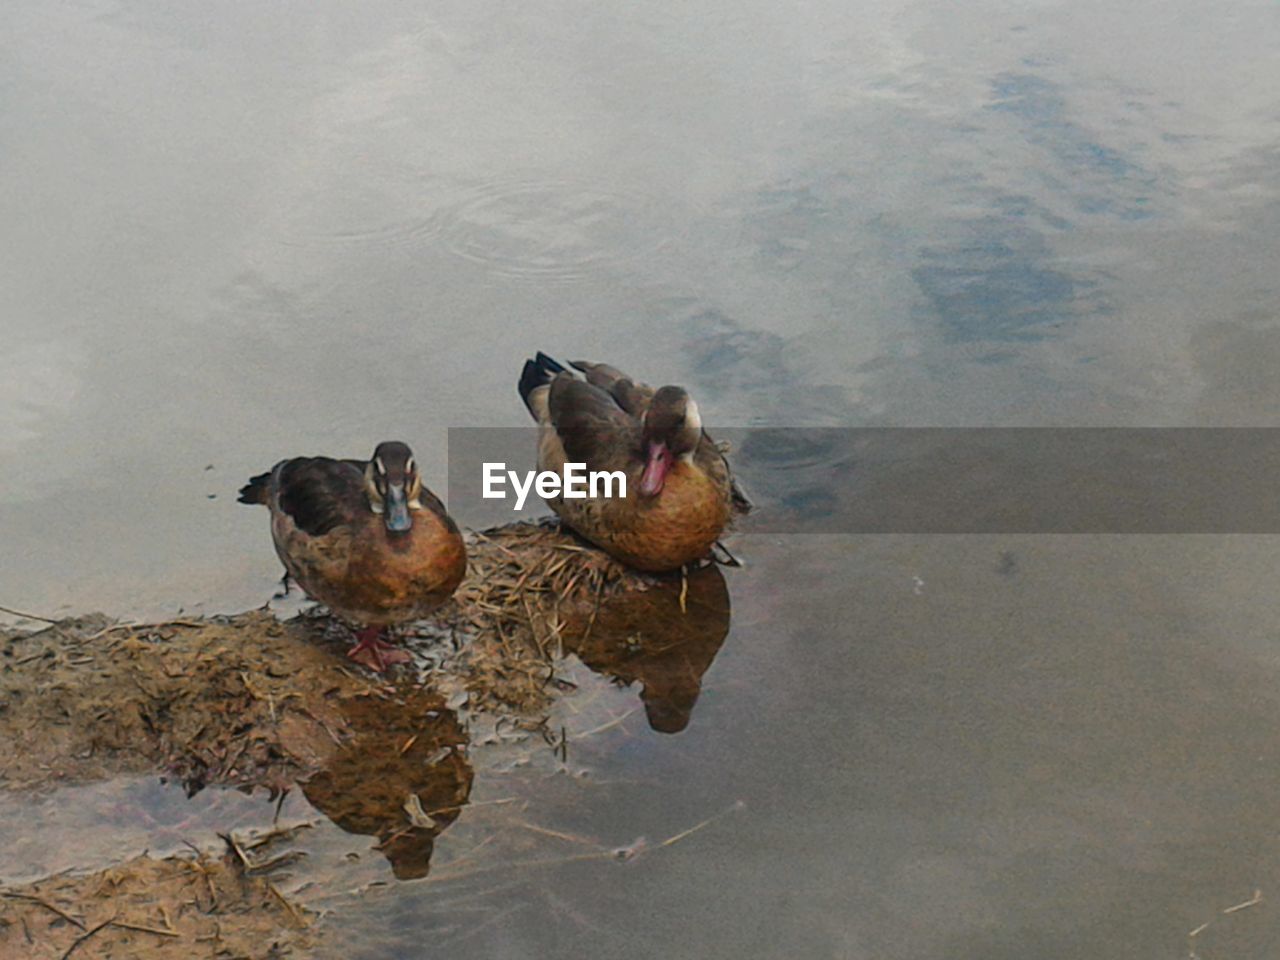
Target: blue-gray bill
{"x": 396, "y": 511}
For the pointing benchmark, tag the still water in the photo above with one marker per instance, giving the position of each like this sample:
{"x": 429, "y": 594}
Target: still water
{"x": 240, "y": 231}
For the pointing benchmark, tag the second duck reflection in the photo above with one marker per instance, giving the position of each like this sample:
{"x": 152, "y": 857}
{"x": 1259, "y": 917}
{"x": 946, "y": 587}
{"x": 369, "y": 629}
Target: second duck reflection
{"x": 646, "y": 637}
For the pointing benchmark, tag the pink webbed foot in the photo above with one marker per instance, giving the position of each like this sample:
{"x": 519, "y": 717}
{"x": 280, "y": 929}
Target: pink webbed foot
{"x": 374, "y": 652}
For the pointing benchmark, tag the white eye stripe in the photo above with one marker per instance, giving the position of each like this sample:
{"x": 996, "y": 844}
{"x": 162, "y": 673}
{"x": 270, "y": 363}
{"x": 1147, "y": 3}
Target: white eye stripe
{"x": 692, "y": 419}
{"x": 408, "y": 465}
{"x": 377, "y": 462}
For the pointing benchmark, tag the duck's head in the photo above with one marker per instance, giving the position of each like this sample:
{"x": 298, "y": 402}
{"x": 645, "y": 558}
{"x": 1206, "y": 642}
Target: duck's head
{"x": 672, "y": 429}
{"x": 393, "y": 486}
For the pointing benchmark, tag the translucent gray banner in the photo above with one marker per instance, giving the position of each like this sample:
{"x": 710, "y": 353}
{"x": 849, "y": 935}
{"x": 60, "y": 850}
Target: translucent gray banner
{"x": 954, "y": 480}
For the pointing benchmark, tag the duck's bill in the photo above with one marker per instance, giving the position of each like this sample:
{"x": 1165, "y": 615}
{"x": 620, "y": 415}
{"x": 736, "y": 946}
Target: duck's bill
{"x": 395, "y": 512}
{"x": 655, "y": 470}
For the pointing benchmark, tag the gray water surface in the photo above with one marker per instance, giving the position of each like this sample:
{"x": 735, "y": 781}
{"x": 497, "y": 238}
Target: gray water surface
{"x": 241, "y": 231}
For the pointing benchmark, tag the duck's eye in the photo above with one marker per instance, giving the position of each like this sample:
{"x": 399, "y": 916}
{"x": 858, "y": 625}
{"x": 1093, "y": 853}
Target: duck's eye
{"x": 380, "y": 466}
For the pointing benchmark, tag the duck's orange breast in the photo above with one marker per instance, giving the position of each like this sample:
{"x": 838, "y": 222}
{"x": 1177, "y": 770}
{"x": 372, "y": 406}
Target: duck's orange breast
{"x": 374, "y": 576}
{"x": 664, "y": 532}
{"x": 681, "y": 523}
{"x": 407, "y": 574}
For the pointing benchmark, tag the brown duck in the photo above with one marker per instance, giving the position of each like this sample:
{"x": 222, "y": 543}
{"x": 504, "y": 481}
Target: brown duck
{"x": 680, "y": 494}
{"x": 365, "y": 538}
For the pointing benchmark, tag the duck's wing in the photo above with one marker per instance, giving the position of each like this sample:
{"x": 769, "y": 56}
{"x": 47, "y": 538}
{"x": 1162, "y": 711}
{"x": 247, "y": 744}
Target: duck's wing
{"x": 632, "y": 396}
{"x": 591, "y": 425}
{"x": 319, "y": 493}
{"x": 712, "y": 458}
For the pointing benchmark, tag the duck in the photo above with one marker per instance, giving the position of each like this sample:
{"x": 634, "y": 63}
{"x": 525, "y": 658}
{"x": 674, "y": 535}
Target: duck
{"x": 680, "y": 494}
{"x": 364, "y": 537}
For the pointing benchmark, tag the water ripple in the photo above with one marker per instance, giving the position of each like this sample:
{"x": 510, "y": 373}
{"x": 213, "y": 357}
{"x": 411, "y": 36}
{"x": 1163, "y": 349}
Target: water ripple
{"x": 554, "y": 229}
{"x": 321, "y": 226}
{"x": 539, "y": 229}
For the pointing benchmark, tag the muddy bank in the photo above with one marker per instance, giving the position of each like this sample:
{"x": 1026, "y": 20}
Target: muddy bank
{"x": 198, "y": 906}
{"x": 252, "y": 701}
{"x": 241, "y": 701}
{"x": 259, "y": 704}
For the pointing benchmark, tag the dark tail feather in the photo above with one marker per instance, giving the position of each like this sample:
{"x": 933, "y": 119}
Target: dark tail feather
{"x": 553, "y": 365}
{"x": 537, "y": 372}
{"x": 255, "y": 491}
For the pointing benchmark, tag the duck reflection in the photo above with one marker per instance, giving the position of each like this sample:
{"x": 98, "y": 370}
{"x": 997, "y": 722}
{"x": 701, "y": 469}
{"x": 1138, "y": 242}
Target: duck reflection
{"x": 402, "y": 778}
{"x": 651, "y": 637}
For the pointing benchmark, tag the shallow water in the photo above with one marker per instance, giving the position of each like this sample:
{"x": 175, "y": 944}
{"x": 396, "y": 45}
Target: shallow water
{"x": 241, "y": 233}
